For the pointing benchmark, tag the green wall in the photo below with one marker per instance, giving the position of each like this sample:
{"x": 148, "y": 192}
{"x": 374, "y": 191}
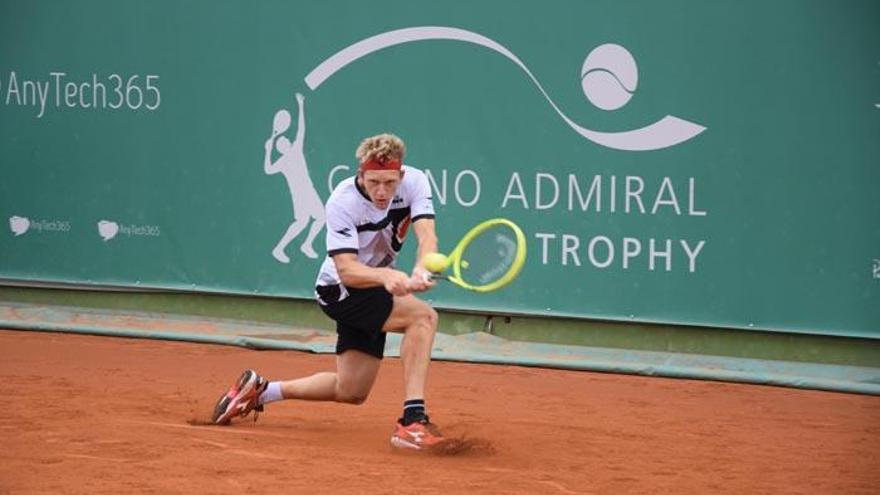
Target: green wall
{"x": 731, "y": 149}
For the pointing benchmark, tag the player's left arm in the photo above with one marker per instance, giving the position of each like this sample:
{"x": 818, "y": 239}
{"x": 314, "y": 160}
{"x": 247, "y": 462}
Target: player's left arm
{"x": 422, "y": 211}
{"x": 426, "y": 235}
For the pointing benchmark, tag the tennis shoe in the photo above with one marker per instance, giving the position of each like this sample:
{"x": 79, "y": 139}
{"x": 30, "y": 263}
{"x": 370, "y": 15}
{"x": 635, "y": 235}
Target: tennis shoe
{"x": 420, "y": 435}
{"x": 241, "y": 399}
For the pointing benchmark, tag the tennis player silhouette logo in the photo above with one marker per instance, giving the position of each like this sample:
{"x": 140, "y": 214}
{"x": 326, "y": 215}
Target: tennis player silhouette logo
{"x": 291, "y": 163}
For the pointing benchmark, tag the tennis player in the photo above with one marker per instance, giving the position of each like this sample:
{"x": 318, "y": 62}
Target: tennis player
{"x": 358, "y": 286}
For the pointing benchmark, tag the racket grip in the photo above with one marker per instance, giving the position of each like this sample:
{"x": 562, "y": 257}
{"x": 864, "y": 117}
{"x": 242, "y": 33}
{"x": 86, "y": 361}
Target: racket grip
{"x": 426, "y": 277}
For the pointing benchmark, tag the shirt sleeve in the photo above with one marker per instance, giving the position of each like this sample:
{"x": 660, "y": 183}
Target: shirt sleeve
{"x": 342, "y": 236}
{"x": 421, "y": 200}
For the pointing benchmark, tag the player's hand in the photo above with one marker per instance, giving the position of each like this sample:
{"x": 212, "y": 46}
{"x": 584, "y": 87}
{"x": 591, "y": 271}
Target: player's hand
{"x": 300, "y": 98}
{"x": 421, "y": 280}
{"x": 269, "y": 144}
{"x": 397, "y": 283}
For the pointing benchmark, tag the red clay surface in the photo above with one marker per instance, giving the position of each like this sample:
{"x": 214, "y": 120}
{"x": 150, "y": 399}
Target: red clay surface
{"x": 95, "y": 415}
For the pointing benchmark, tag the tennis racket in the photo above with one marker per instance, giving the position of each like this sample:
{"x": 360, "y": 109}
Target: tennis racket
{"x": 488, "y": 257}
{"x": 280, "y": 123}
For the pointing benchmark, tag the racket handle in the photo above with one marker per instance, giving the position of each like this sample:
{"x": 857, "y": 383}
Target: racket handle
{"x": 430, "y": 277}
{"x": 426, "y": 277}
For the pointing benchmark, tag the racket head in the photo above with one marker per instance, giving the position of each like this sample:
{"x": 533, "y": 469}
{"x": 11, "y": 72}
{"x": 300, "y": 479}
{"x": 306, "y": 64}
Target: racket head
{"x": 489, "y": 256}
{"x": 281, "y": 122}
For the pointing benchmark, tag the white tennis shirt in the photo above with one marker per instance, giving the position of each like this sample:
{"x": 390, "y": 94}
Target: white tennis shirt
{"x": 355, "y": 225}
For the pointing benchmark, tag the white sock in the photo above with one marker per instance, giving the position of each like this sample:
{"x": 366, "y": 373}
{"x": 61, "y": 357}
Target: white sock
{"x": 271, "y": 394}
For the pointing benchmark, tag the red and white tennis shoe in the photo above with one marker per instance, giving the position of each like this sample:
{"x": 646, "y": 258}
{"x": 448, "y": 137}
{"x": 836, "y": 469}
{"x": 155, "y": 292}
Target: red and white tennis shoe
{"x": 241, "y": 399}
{"x": 416, "y": 436}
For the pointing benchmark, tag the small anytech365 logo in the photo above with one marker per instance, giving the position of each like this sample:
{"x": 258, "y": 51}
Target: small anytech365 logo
{"x": 19, "y": 225}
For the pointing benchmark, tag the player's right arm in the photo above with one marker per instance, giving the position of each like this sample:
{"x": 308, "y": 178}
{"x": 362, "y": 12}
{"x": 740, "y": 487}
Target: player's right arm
{"x": 355, "y": 274}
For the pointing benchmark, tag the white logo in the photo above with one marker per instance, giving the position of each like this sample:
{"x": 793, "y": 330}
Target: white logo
{"x": 307, "y": 205}
{"x": 608, "y": 78}
{"x": 877, "y": 268}
{"x": 19, "y": 225}
{"x": 107, "y": 229}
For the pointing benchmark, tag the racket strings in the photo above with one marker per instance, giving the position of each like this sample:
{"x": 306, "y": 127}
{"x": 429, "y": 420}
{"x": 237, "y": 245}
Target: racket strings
{"x": 488, "y": 256}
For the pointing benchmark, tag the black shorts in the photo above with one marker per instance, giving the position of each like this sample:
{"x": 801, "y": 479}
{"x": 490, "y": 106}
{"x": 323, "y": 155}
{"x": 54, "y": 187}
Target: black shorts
{"x": 360, "y": 318}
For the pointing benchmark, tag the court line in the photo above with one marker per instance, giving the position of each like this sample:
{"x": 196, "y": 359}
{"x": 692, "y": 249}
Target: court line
{"x": 212, "y": 429}
{"x": 558, "y": 486}
{"x": 98, "y": 458}
{"x": 213, "y": 444}
{"x": 226, "y": 449}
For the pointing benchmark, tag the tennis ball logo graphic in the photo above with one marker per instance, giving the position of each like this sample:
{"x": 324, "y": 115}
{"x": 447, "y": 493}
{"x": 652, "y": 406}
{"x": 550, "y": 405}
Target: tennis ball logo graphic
{"x": 107, "y": 229}
{"x": 19, "y": 225}
{"x": 609, "y": 76}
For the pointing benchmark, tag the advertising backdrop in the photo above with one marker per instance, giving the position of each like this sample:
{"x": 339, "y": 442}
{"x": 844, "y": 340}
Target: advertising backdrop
{"x": 705, "y": 163}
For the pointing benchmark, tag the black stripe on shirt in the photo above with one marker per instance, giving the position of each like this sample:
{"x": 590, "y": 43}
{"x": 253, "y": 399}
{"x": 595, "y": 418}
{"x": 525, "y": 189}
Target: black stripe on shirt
{"x": 374, "y": 227}
{"x": 424, "y": 215}
{"x": 334, "y": 252}
{"x": 395, "y": 215}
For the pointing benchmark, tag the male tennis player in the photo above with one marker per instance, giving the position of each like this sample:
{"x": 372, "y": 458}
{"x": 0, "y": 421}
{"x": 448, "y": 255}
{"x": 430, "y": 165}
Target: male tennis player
{"x": 367, "y": 220}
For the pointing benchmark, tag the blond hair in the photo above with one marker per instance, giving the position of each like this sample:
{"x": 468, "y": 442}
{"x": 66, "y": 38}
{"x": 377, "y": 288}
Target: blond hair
{"x": 381, "y": 148}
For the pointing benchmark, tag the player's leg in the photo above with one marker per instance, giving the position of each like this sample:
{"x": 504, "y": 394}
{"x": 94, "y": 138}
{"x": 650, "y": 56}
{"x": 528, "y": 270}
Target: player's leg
{"x": 351, "y": 383}
{"x": 359, "y": 349}
{"x": 418, "y": 322}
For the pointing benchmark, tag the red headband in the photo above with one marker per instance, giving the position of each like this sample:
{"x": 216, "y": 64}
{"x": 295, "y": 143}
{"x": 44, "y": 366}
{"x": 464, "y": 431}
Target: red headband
{"x": 381, "y": 165}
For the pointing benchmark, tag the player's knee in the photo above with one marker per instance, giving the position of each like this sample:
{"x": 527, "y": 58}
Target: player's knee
{"x": 427, "y": 319}
{"x": 351, "y": 395}
{"x": 431, "y": 318}
{"x": 351, "y": 398}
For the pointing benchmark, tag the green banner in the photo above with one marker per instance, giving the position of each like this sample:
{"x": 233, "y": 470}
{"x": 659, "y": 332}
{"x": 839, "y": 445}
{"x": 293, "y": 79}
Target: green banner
{"x": 705, "y": 163}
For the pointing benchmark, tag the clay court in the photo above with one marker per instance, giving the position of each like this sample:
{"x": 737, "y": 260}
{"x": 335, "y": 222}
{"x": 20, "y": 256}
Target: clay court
{"x": 90, "y": 414}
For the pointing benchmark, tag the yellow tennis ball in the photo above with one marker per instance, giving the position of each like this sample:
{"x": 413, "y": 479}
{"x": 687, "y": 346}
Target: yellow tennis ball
{"x": 434, "y": 262}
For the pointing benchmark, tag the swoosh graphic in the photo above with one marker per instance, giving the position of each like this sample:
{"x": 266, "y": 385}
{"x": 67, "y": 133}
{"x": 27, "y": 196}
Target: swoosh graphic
{"x": 664, "y": 133}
